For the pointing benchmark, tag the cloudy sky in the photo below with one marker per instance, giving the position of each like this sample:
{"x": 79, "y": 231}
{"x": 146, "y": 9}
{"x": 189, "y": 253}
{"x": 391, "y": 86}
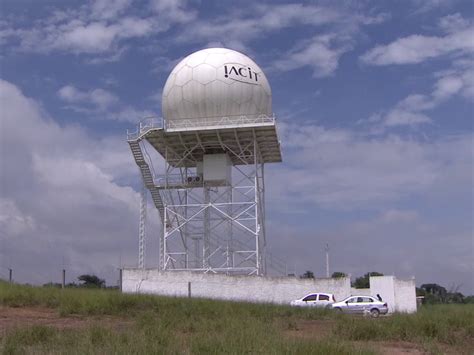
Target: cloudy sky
{"x": 375, "y": 107}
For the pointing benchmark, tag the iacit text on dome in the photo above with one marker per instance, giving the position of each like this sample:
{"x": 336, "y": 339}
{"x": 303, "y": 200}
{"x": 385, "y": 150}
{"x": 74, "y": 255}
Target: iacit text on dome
{"x": 240, "y": 73}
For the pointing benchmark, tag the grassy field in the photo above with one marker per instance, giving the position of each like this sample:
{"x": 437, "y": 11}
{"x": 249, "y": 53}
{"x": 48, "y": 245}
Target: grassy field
{"x": 50, "y": 320}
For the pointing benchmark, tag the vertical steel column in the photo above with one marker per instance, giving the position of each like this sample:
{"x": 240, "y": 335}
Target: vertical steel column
{"x": 165, "y": 217}
{"x": 263, "y": 218}
{"x": 230, "y": 244}
{"x": 257, "y": 226}
{"x": 165, "y": 235}
{"x": 161, "y": 242}
{"x": 207, "y": 229}
{"x": 142, "y": 229}
{"x": 186, "y": 229}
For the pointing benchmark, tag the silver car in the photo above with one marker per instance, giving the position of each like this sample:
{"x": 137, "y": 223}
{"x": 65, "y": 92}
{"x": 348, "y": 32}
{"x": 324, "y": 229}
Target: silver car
{"x": 361, "y": 305}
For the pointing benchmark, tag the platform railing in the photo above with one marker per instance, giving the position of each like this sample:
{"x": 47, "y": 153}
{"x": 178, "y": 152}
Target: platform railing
{"x": 149, "y": 123}
{"x": 144, "y": 126}
{"x": 193, "y": 123}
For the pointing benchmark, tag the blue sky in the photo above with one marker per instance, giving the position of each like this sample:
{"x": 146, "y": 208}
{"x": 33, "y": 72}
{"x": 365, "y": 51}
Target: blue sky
{"x": 374, "y": 103}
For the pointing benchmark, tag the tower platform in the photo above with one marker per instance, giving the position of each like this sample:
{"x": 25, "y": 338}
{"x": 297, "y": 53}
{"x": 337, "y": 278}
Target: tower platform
{"x": 184, "y": 143}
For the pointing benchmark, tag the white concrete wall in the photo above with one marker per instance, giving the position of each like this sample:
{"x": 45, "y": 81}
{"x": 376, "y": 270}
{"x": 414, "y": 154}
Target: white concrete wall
{"x": 279, "y": 290}
{"x": 384, "y": 286}
{"x": 405, "y": 295}
{"x": 361, "y": 291}
{"x": 400, "y": 295}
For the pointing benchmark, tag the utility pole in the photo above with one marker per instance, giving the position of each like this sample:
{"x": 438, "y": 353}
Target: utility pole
{"x": 63, "y": 278}
{"x": 327, "y": 260}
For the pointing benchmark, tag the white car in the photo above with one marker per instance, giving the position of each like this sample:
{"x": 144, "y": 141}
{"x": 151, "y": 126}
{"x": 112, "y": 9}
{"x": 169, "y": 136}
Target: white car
{"x": 361, "y": 305}
{"x": 315, "y": 300}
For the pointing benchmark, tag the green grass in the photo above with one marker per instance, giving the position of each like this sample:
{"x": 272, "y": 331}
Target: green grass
{"x": 446, "y": 324}
{"x": 145, "y": 324}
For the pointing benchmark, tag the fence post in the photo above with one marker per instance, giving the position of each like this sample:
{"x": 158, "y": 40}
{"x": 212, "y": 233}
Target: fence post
{"x": 189, "y": 289}
{"x": 10, "y": 275}
{"x": 63, "y": 283}
{"x": 120, "y": 280}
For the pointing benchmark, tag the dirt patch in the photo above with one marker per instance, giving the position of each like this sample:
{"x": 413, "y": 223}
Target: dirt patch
{"x": 309, "y": 329}
{"x": 396, "y": 348}
{"x": 28, "y": 316}
{"x": 320, "y": 329}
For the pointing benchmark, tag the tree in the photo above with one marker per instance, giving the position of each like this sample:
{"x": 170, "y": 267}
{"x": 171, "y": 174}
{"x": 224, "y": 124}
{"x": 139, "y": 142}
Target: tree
{"x": 434, "y": 293}
{"x": 307, "y": 275}
{"x": 454, "y": 295}
{"x": 338, "y": 274}
{"x": 469, "y": 299}
{"x": 363, "y": 281}
{"x": 91, "y": 281}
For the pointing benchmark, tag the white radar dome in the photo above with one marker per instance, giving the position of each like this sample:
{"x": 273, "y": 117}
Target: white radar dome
{"x": 215, "y": 83}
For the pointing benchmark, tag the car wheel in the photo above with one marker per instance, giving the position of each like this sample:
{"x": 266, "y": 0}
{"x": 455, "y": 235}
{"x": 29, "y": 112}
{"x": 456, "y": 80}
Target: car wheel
{"x": 374, "y": 312}
{"x": 328, "y": 306}
{"x": 338, "y": 309}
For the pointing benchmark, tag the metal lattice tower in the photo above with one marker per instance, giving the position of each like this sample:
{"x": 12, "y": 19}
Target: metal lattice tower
{"x": 210, "y": 226}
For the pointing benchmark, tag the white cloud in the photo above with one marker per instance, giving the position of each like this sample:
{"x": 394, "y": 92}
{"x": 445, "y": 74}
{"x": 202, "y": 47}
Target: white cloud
{"x": 457, "y": 80}
{"x": 90, "y": 38}
{"x": 340, "y": 169}
{"x": 63, "y": 194}
{"x": 411, "y": 110}
{"x": 106, "y": 9}
{"x": 156, "y": 97}
{"x": 321, "y": 53}
{"x": 99, "y": 29}
{"x": 398, "y": 117}
{"x": 100, "y": 98}
{"x": 254, "y": 21}
{"x": 453, "y": 23}
{"x": 439, "y": 221}
{"x": 14, "y": 222}
{"x": 399, "y": 216}
{"x": 70, "y": 94}
{"x": 408, "y": 235}
{"x": 129, "y": 114}
{"x": 176, "y": 11}
{"x": 418, "y": 48}
{"x": 447, "y": 86}
{"x": 424, "y": 6}
{"x": 102, "y": 103}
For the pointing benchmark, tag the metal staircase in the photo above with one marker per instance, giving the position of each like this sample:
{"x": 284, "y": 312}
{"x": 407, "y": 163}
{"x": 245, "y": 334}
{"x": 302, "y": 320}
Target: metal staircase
{"x": 147, "y": 176}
